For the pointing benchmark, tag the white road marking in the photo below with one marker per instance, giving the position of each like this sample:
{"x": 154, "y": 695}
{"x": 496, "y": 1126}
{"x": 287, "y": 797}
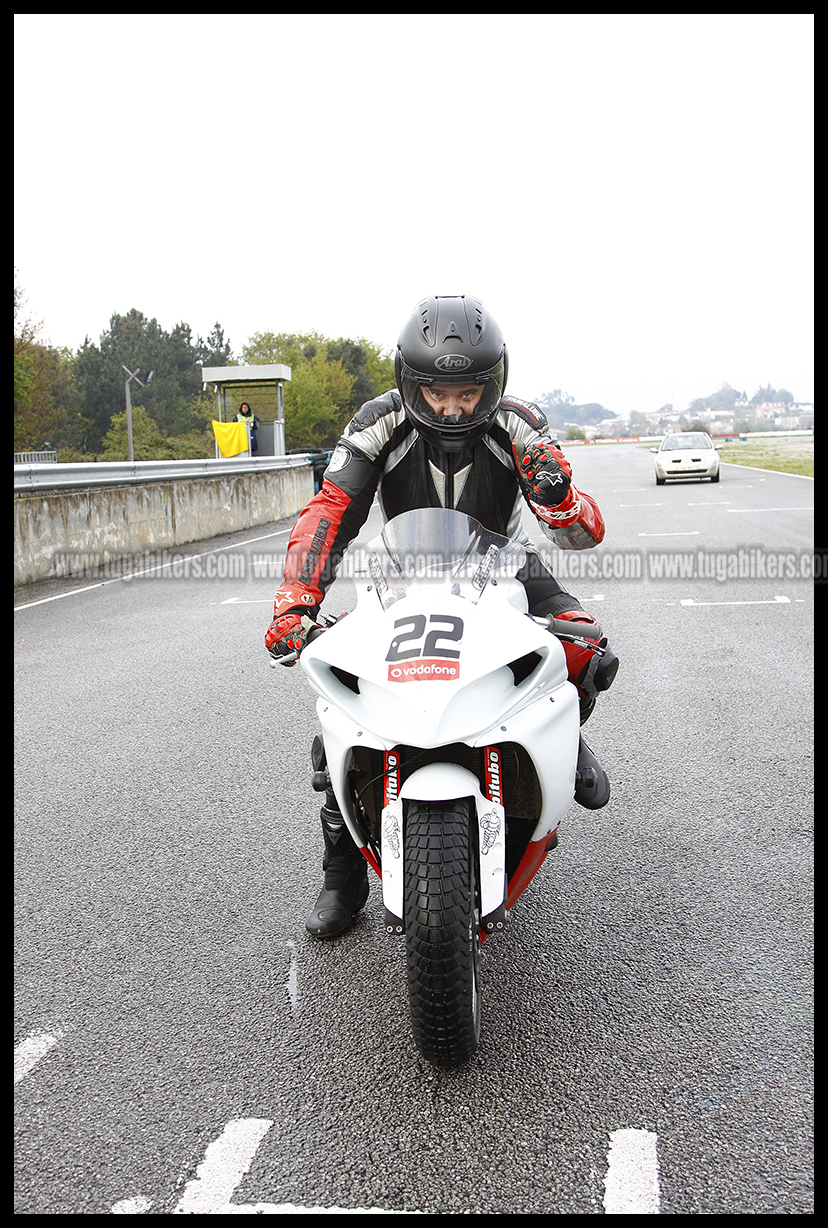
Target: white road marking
{"x": 131, "y": 1206}
{"x": 777, "y": 473}
{"x": 291, "y": 986}
{"x": 225, "y": 1163}
{"x": 631, "y": 1183}
{"x": 767, "y": 601}
{"x": 689, "y": 533}
{"x": 71, "y": 593}
{"x": 132, "y": 575}
{"x": 771, "y": 509}
{"x": 30, "y": 1050}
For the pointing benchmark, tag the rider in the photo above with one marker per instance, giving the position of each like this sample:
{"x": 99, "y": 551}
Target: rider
{"x": 445, "y": 437}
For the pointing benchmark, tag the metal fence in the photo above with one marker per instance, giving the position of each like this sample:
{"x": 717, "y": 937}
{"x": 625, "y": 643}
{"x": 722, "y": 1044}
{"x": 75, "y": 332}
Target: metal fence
{"x": 35, "y": 458}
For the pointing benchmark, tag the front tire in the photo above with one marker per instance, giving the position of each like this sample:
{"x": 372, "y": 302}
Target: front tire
{"x": 442, "y": 930}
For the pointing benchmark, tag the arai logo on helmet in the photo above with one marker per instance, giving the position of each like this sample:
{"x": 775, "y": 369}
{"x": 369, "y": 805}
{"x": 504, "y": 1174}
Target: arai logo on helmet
{"x": 452, "y": 362}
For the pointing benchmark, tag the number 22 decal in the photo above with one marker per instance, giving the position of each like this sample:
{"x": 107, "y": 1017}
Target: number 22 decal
{"x": 447, "y": 629}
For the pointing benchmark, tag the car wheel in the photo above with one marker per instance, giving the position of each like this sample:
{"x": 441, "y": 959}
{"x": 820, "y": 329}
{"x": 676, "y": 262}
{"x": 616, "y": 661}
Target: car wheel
{"x": 715, "y": 477}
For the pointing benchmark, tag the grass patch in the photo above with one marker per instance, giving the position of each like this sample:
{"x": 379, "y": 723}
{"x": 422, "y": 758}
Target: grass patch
{"x": 781, "y": 455}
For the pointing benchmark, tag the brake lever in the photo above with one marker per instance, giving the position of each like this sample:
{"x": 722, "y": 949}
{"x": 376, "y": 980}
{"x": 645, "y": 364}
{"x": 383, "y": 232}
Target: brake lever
{"x": 290, "y": 658}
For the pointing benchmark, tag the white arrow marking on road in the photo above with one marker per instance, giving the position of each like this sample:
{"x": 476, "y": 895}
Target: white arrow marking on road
{"x": 30, "y": 1050}
{"x": 631, "y": 1183}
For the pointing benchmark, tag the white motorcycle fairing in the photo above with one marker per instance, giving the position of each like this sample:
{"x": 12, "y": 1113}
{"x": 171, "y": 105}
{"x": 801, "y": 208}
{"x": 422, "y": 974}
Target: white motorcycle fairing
{"x": 440, "y": 655}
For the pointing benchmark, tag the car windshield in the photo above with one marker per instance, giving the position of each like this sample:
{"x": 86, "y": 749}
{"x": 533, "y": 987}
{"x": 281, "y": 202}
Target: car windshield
{"x": 680, "y": 443}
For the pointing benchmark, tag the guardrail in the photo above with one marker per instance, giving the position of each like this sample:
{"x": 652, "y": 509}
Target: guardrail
{"x": 72, "y": 519}
{"x": 93, "y": 476}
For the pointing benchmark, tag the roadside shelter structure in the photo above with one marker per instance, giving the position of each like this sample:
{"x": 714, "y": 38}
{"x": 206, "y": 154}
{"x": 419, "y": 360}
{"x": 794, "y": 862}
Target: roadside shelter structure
{"x": 262, "y": 387}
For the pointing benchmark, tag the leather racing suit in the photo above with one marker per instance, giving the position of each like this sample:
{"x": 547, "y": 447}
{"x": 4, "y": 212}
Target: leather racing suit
{"x": 381, "y": 452}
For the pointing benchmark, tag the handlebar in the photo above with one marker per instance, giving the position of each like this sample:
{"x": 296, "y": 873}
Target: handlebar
{"x": 290, "y": 658}
{"x": 567, "y": 630}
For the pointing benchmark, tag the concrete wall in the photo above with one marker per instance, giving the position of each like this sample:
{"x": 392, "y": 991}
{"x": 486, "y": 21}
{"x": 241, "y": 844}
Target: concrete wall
{"x": 64, "y": 533}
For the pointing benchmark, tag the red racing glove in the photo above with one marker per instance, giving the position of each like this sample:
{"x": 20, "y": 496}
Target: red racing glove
{"x": 546, "y": 480}
{"x": 294, "y": 611}
{"x": 546, "y": 474}
{"x": 289, "y": 634}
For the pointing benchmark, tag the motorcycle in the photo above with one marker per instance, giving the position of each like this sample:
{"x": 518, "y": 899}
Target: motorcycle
{"x": 450, "y": 735}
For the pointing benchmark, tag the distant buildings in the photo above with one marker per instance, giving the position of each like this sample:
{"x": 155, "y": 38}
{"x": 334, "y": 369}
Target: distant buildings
{"x": 773, "y": 416}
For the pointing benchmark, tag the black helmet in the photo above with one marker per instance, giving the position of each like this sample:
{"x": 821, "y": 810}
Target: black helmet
{"x": 450, "y": 340}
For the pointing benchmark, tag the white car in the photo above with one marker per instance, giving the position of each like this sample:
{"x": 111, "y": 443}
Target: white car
{"x": 691, "y": 455}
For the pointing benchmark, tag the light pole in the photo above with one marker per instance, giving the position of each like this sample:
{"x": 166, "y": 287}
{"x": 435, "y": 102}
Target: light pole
{"x": 132, "y": 375}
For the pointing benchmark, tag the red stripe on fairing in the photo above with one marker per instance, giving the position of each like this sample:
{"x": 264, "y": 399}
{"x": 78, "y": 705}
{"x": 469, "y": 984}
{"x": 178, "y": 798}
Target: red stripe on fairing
{"x": 530, "y": 863}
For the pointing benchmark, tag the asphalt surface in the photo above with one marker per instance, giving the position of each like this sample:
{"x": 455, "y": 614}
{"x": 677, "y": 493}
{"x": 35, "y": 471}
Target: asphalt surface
{"x": 656, "y": 976}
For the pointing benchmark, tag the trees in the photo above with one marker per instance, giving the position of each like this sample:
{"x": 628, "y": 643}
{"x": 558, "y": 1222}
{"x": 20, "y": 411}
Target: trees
{"x": 46, "y": 403}
{"x": 768, "y": 395}
{"x": 330, "y": 379}
{"x": 729, "y": 403}
{"x": 721, "y": 403}
{"x": 173, "y": 399}
{"x": 560, "y": 410}
{"x": 76, "y": 402}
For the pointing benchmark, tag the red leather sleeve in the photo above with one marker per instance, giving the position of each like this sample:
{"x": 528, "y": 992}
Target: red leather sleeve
{"x": 312, "y": 538}
{"x": 577, "y": 521}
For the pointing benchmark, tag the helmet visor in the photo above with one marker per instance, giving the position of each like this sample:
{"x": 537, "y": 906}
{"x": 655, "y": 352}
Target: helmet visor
{"x": 452, "y": 405}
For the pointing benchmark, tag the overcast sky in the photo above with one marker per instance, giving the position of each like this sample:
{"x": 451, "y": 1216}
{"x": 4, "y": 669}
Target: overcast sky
{"x": 631, "y": 196}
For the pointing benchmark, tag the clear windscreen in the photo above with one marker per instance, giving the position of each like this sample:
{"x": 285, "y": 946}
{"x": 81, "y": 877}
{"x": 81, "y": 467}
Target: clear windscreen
{"x": 436, "y": 545}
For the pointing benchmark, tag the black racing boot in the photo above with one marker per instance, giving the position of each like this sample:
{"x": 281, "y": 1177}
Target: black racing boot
{"x": 592, "y": 788}
{"x": 346, "y": 879}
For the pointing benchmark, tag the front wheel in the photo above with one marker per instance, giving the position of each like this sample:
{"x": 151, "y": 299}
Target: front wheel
{"x": 442, "y": 930}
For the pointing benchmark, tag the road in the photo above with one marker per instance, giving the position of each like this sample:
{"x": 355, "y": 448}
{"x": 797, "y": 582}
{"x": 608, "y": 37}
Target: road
{"x": 182, "y": 1043}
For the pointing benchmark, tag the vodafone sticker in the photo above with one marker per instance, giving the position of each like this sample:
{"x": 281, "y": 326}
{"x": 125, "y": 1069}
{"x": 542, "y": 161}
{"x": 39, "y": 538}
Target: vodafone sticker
{"x": 424, "y": 670}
